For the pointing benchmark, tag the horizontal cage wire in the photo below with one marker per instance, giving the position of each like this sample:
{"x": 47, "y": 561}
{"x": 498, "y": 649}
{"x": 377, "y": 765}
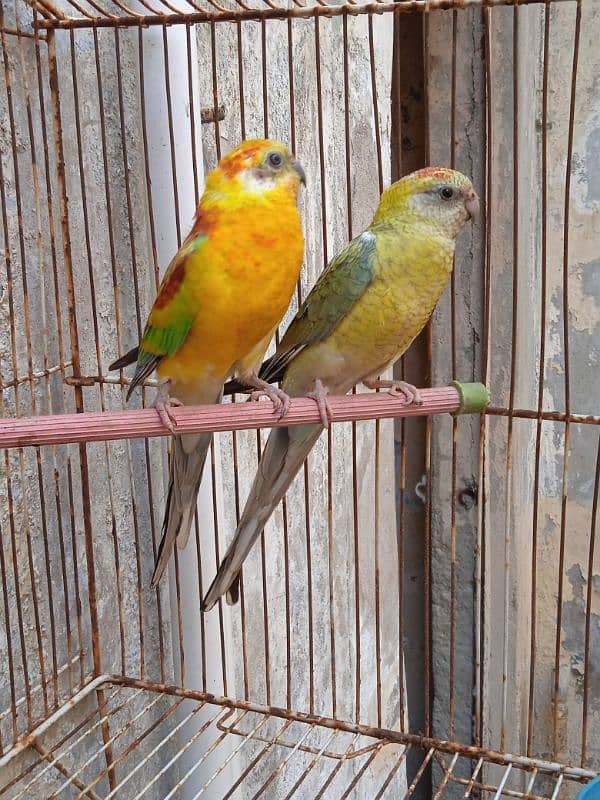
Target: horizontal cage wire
{"x": 420, "y": 616}
{"x": 85, "y": 13}
{"x": 296, "y": 752}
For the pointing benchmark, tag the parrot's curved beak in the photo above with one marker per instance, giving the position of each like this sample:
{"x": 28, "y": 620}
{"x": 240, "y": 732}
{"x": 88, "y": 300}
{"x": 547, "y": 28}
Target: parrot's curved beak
{"x": 472, "y": 205}
{"x": 297, "y": 167}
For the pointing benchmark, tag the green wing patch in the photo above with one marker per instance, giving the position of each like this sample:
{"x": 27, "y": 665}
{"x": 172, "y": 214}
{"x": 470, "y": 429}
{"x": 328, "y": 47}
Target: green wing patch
{"x": 339, "y": 287}
{"x": 162, "y": 340}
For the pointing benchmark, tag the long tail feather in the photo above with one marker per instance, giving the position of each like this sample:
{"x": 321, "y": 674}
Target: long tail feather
{"x": 188, "y": 455}
{"x": 283, "y": 456}
{"x": 129, "y": 358}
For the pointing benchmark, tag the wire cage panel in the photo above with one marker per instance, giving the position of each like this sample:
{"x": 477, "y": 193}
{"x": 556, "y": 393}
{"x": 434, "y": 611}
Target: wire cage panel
{"x": 283, "y": 757}
{"x": 434, "y": 576}
{"x": 99, "y": 122}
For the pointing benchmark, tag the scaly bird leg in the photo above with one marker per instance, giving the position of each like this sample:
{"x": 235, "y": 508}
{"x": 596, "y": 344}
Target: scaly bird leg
{"x": 163, "y": 403}
{"x": 280, "y": 400}
{"x": 319, "y": 395}
{"x": 397, "y": 389}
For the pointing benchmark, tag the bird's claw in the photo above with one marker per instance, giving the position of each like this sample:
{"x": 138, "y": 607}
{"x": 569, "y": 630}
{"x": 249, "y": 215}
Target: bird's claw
{"x": 398, "y": 389}
{"x": 164, "y": 405}
{"x": 319, "y": 395}
{"x": 406, "y": 390}
{"x": 280, "y": 400}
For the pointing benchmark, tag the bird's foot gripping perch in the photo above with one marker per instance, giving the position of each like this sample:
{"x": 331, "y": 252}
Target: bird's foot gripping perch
{"x": 280, "y": 400}
{"x": 163, "y": 403}
{"x": 319, "y": 395}
{"x": 398, "y": 389}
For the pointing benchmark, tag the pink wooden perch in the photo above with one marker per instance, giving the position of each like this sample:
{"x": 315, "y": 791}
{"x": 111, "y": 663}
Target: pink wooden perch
{"x": 104, "y": 426}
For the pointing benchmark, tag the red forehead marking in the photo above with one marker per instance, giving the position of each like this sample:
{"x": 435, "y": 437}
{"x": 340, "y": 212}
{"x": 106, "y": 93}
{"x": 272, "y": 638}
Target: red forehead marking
{"x": 437, "y": 173}
{"x": 238, "y": 160}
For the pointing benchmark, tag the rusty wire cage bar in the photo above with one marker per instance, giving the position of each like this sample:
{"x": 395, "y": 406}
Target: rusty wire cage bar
{"x": 421, "y": 616}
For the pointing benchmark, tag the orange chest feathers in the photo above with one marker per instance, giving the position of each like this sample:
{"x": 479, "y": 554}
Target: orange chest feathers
{"x": 250, "y": 264}
{"x": 239, "y": 282}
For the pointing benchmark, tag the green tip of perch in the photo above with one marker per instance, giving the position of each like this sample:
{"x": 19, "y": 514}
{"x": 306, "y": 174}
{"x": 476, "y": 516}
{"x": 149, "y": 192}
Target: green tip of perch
{"x": 474, "y": 397}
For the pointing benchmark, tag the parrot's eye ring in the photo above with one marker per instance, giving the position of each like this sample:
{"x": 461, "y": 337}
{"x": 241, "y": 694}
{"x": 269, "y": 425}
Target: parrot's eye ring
{"x": 447, "y": 193}
{"x": 275, "y": 160}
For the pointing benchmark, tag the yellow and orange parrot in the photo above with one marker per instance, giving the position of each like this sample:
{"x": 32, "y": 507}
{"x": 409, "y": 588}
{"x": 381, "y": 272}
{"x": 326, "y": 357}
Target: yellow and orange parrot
{"x": 218, "y": 306}
{"x": 362, "y": 314}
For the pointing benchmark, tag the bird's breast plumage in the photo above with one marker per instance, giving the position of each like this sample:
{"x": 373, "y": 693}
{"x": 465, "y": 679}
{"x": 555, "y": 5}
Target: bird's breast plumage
{"x": 239, "y": 283}
{"x": 410, "y": 271}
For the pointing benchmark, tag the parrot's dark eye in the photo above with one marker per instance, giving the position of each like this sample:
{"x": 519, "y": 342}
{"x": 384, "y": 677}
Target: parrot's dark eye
{"x": 447, "y": 193}
{"x": 275, "y": 160}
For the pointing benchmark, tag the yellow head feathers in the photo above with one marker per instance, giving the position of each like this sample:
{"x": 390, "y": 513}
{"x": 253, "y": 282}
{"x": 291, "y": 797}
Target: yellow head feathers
{"x": 438, "y": 196}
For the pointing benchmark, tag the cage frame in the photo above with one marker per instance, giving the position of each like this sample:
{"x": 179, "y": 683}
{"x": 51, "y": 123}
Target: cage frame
{"x": 47, "y": 19}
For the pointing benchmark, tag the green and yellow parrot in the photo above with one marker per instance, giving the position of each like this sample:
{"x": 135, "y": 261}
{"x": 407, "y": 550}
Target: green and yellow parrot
{"x": 366, "y": 308}
{"x": 218, "y": 306}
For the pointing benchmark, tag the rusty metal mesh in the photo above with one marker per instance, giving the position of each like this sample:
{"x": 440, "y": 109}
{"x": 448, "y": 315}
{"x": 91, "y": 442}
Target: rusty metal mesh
{"x": 112, "y": 689}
